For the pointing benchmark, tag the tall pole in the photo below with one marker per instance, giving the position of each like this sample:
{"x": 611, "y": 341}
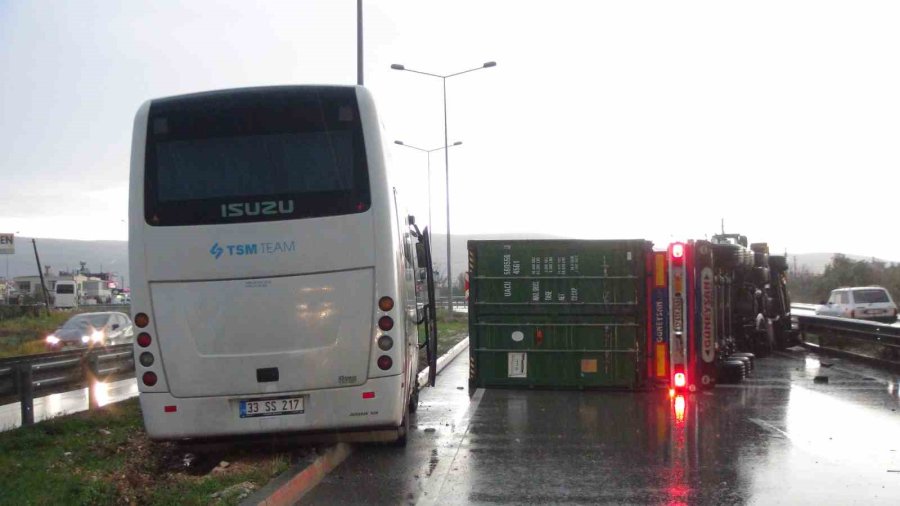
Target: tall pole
{"x": 359, "y": 43}
{"x": 397, "y": 66}
{"x": 430, "y": 228}
{"x": 447, "y": 174}
{"x": 41, "y": 274}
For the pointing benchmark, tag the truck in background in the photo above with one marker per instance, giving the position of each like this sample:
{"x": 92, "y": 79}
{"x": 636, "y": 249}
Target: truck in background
{"x": 96, "y": 291}
{"x": 617, "y": 314}
{"x": 66, "y": 294}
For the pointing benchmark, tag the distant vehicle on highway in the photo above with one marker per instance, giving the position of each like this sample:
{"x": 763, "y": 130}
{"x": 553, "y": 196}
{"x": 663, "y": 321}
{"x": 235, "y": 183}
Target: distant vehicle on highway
{"x": 65, "y": 294}
{"x": 860, "y": 302}
{"x": 87, "y": 330}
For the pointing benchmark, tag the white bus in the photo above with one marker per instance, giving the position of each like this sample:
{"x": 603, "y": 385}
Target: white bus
{"x": 273, "y": 278}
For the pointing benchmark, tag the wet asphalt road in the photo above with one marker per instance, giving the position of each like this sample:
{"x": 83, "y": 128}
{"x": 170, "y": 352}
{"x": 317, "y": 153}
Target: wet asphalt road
{"x": 777, "y": 438}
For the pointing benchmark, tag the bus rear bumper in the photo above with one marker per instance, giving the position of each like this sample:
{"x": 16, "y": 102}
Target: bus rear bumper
{"x": 377, "y": 404}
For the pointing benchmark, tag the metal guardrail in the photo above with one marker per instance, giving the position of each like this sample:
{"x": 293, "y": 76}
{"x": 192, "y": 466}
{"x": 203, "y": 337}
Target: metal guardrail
{"x": 834, "y": 335}
{"x": 26, "y": 377}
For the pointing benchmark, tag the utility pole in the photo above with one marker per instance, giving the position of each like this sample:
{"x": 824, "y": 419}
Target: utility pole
{"x": 41, "y": 274}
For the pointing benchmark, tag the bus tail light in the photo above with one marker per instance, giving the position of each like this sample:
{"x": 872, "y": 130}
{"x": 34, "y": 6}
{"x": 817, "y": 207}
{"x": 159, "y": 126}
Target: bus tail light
{"x": 141, "y": 320}
{"x": 385, "y": 323}
{"x": 385, "y": 304}
{"x": 149, "y": 378}
{"x": 170, "y": 409}
{"x": 146, "y": 359}
{"x": 144, "y": 339}
{"x": 368, "y": 395}
{"x": 385, "y": 343}
{"x": 385, "y": 362}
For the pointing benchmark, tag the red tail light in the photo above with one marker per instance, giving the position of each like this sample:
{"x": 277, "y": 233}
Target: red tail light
{"x": 170, "y": 409}
{"x": 368, "y": 395}
{"x": 680, "y": 380}
{"x": 385, "y": 323}
{"x": 144, "y": 339}
{"x": 149, "y": 378}
{"x": 385, "y": 362}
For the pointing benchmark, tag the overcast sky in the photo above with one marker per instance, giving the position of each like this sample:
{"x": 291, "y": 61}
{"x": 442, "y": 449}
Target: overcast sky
{"x": 601, "y": 120}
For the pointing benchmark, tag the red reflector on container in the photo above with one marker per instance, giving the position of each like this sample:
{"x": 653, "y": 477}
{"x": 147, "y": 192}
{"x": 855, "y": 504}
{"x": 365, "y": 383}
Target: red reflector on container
{"x": 680, "y": 380}
{"x": 170, "y": 409}
{"x": 368, "y": 395}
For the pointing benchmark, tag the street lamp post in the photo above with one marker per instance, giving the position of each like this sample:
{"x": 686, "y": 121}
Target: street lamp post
{"x": 428, "y": 155}
{"x": 397, "y": 66}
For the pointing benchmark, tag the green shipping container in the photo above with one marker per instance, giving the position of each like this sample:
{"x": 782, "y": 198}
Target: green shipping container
{"x": 558, "y": 313}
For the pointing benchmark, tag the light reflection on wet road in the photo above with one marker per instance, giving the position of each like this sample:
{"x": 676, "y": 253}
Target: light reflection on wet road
{"x": 778, "y": 438}
{"x": 67, "y": 402}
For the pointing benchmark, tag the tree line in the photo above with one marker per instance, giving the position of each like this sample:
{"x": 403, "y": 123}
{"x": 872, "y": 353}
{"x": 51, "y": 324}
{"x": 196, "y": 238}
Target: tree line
{"x": 806, "y": 286}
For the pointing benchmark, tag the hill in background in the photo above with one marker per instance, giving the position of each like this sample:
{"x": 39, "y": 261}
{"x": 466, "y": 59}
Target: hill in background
{"x": 112, "y": 256}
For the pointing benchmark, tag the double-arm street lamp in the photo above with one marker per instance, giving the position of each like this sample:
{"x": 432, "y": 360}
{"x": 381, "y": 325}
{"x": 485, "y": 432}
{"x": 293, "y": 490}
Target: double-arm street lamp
{"x": 428, "y": 155}
{"x": 397, "y": 66}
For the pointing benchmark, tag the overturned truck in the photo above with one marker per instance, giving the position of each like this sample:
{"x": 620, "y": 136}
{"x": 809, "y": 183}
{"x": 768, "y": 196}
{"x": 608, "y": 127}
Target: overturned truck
{"x": 617, "y": 314}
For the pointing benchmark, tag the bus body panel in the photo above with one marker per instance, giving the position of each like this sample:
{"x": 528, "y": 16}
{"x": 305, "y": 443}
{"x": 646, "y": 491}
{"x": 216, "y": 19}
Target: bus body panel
{"x": 253, "y": 250}
{"x": 331, "y": 409}
{"x": 353, "y": 259}
{"x": 314, "y": 329}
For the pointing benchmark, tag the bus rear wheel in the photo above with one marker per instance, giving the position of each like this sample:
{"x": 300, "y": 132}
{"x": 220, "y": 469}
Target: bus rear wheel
{"x": 403, "y": 430}
{"x": 414, "y": 399}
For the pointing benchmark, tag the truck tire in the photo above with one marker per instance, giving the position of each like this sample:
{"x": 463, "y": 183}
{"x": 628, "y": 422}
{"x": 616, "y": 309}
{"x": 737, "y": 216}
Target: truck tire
{"x": 778, "y": 263}
{"x": 750, "y": 356}
{"x": 748, "y": 367}
{"x": 732, "y": 371}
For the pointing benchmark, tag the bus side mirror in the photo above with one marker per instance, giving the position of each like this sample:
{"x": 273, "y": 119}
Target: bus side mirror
{"x": 420, "y": 255}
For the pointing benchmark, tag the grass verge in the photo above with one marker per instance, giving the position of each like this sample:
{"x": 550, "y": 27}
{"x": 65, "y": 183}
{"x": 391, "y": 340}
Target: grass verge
{"x": 452, "y": 328}
{"x": 105, "y": 457}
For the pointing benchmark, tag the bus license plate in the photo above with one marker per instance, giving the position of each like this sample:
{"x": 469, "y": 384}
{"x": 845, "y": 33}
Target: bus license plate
{"x": 271, "y": 406}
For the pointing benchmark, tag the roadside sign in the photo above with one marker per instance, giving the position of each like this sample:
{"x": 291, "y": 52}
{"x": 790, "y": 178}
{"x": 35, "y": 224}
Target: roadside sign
{"x": 7, "y": 244}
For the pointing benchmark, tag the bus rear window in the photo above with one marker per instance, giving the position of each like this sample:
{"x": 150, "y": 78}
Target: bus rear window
{"x": 255, "y": 155}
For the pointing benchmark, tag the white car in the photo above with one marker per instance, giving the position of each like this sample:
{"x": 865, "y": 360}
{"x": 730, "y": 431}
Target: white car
{"x": 860, "y": 302}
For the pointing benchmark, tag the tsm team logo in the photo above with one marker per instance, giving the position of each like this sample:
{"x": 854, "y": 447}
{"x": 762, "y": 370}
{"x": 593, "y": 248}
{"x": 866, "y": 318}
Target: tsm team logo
{"x": 216, "y": 251}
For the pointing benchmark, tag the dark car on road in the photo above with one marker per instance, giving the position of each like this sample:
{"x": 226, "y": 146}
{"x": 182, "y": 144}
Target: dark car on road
{"x": 87, "y": 330}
